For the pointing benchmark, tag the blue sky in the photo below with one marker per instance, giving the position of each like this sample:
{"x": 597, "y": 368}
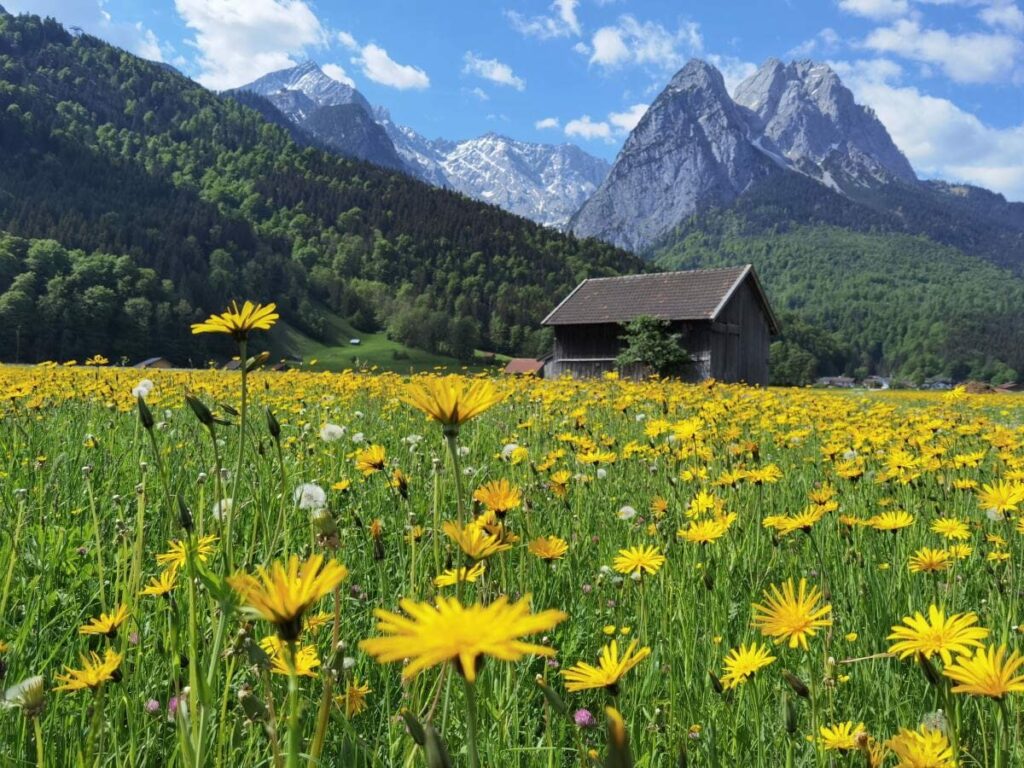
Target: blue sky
{"x": 945, "y": 76}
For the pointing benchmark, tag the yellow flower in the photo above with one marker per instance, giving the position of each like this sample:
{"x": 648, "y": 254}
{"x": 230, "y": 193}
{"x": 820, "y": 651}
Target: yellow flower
{"x": 937, "y": 634}
{"x": 558, "y": 484}
{"x": 306, "y": 659}
{"x": 706, "y": 531}
{"x": 611, "y": 667}
{"x": 447, "y": 631}
{"x": 924, "y": 748}
{"x": 639, "y": 560}
{"x": 474, "y": 540}
{"x": 791, "y": 614}
{"x": 659, "y": 506}
{"x": 451, "y": 400}
{"x": 891, "y": 521}
{"x": 988, "y": 672}
{"x": 951, "y": 528}
{"x": 928, "y": 560}
{"x": 353, "y": 700}
{"x": 841, "y": 736}
{"x": 282, "y": 594}
{"x": 106, "y": 624}
{"x": 550, "y": 548}
{"x": 161, "y": 586}
{"x": 741, "y": 663}
{"x": 94, "y": 672}
{"x": 453, "y": 576}
{"x": 177, "y": 556}
{"x": 239, "y": 321}
{"x": 371, "y": 459}
{"x": 1001, "y": 496}
{"x": 499, "y": 496}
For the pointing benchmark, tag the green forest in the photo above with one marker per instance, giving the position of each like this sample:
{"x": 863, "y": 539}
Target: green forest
{"x": 135, "y": 201}
{"x": 870, "y": 302}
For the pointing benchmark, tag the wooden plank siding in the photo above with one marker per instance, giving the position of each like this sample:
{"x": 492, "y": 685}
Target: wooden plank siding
{"x": 733, "y": 347}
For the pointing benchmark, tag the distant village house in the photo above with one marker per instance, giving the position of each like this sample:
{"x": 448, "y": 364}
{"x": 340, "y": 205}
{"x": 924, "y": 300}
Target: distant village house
{"x": 722, "y": 315}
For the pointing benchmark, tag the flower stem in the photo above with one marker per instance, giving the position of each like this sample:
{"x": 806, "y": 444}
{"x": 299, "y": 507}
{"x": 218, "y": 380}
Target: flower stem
{"x": 40, "y": 762}
{"x": 294, "y": 741}
{"x": 230, "y": 512}
{"x": 452, "y": 438}
{"x": 99, "y": 542}
{"x": 471, "y": 725}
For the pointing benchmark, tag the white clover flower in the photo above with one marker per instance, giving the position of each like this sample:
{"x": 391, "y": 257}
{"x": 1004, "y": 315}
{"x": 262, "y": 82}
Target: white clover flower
{"x": 463, "y": 450}
{"x": 602, "y": 473}
{"x": 640, "y": 417}
{"x": 626, "y": 512}
{"x": 358, "y": 437}
{"x": 508, "y": 449}
{"x": 358, "y": 414}
{"x": 310, "y": 496}
{"x": 331, "y": 432}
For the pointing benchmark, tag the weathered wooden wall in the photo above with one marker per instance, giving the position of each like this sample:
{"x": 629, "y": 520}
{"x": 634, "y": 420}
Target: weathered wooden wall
{"x": 732, "y": 348}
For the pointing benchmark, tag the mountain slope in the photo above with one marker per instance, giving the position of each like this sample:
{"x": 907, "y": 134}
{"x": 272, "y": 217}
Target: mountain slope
{"x": 689, "y": 151}
{"x": 103, "y": 151}
{"x": 543, "y": 182}
{"x": 802, "y": 118}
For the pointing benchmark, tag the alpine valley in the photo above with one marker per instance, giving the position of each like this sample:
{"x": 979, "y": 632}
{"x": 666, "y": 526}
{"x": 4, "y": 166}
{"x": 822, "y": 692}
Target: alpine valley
{"x": 133, "y": 201}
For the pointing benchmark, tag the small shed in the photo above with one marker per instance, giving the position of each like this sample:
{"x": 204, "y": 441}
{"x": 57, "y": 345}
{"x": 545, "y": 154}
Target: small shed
{"x": 155, "y": 362}
{"x": 527, "y": 366}
{"x": 722, "y": 315}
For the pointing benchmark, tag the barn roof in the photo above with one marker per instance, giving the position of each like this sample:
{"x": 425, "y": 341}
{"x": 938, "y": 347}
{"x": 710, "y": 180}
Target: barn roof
{"x": 698, "y": 294}
{"x": 524, "y": 365}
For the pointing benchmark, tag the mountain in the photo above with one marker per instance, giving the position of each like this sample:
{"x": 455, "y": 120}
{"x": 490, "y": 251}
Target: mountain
{"x": 698, "y": 149}
{"x": 334, "y": 114}
{"x": 872, "y": 269}
{"x": 543, "y": 182}
{"x": 803, "y": 112}
{"x": 690, "y": 150}
{"x": 310, "y": 81}
{"x": 136, "y": 202}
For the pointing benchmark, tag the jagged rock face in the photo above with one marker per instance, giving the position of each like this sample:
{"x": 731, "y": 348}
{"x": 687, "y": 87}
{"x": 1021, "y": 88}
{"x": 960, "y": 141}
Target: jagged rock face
{"x": 543, "y": 182}
{"x": 803, "y": 112}
{"x": 697, "y": 148}
{"x": 307, "y": 78}
{"x": 349, "y": 130}
{"x": 690, "y": 151}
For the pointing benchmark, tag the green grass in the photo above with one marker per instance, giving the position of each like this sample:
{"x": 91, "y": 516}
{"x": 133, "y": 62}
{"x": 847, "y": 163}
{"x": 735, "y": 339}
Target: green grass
{"x": 375, "y": 349}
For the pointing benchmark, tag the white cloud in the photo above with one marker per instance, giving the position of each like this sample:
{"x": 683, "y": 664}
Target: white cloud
{"x": 734, "y": 71}
{"x": 585, "y": 128}
{"x": 1006, "y": 15}
{"x": 826, "y": 41}
{"x": 239, "y": 40}
{"x": 875, "y": 9}
{"x": 381, "y": 68}
{"x": 346, "y": 39}
{"x": 95, "y": 19}
{"x": 582, "y": 48}
{"x": 493, "y": 70}
{"x": 631, "y": 41}
{"x": 627, "y": 121}
{"x": 940, "y": 139}
{"x": 480, "y": 93}
{"x": 562, "y": 23}
{"x": 335, "y": 72}
{"x": 546, "y": 123}
{"x": 967, "y": 58}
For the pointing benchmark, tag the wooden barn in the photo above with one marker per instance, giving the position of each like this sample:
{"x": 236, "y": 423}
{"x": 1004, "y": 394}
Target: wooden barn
{"x": 723, "y": 316}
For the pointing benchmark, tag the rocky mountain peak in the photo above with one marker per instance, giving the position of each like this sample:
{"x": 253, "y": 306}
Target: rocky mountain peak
{"x": 803, "y": 112}
{"x": 697, "y": 148}
{"x": 313, "y": 82}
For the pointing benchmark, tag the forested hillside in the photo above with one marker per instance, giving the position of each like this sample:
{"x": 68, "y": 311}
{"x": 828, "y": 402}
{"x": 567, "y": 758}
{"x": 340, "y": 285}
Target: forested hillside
{"x": 869, "y": 301}
{"x": 105, "y": 152}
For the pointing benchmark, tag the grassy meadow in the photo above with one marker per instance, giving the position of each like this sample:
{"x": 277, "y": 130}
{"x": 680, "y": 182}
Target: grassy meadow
{"x": 646, "y": 521}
